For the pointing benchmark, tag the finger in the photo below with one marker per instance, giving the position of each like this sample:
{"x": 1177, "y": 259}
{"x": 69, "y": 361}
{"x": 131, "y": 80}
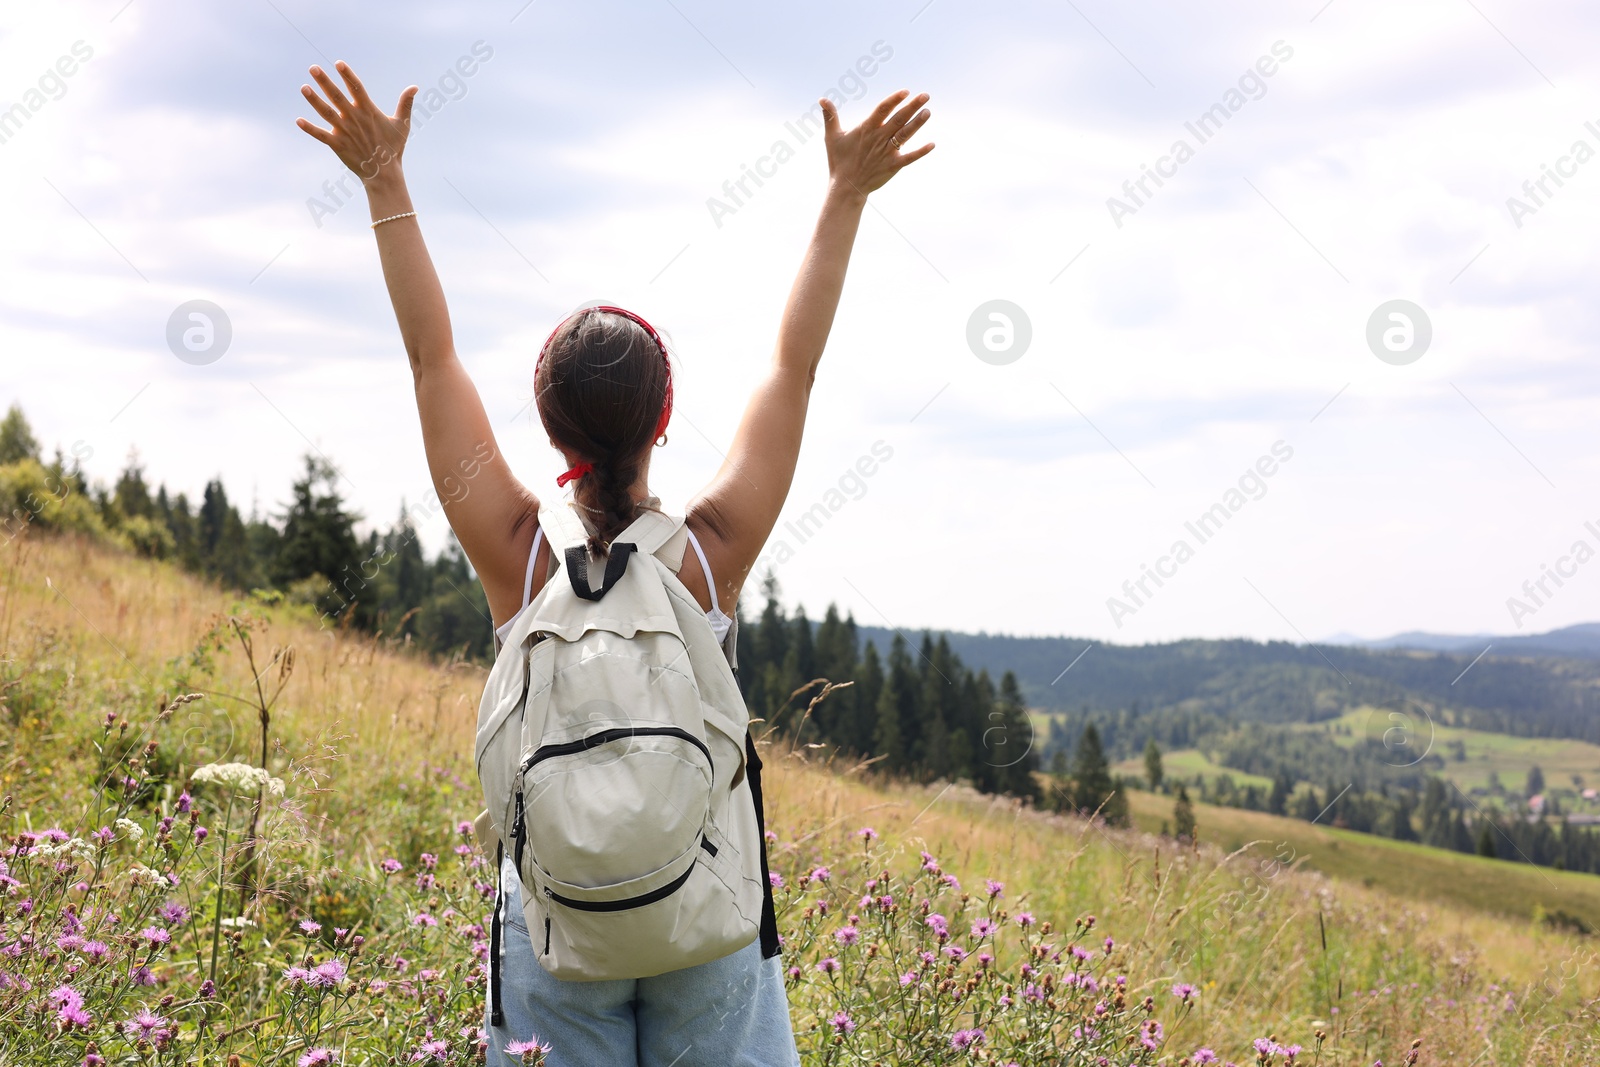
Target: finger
{"x": 885, "y": 106}
{"x": 909, "y": 130}
{"x": 402, "y": 111}
{"x": 909, "y": 158}
{"x": 329, "y": 115}
{"x": 319, "y": 133}
{"x": 358, "y": 92}
{"x": 332, "y": 91}
{"x": 830, "y": 118}
{"x": 903, "y": 116}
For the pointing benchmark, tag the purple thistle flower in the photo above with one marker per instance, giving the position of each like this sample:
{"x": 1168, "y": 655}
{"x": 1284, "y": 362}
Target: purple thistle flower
{"x": 939, "y": 925}
{"x": 328, "y": 973}
{"x": 847, "y": 935}
{"x": 821, "y": 874}
{"x": 185, "y": 802}
{"x": 527, "y": 1048}
{"x": 867, "y": 833}
{"x": 208, "y": 990}
{"x": 429, "y": 861}
{"x": 929, "y": 863}
{"x": 828, "y": 966}
{"x": 951, "y": 881}
{"x": 983, "y": 928}
{"x": 152, "y": 1028}
{"x": 907, "y": 978}
{"x": 464, "y": 828}
{"x": 70, "y": 942}
{"x": 200, "y": 833}
{"x": 422, "y": 918}
{"x": 310, "y": 928}
{"x": 317, "y": 1057}
{"x": 96, "y": 950}
{"x": 1204, "y": 1055}
{"x": 776, "y": 879}
{"x": 1183, "y": 991}
{"x": 156, "y": 936}
{"x": 996, "y": 889}
{"x": 842, "y": 1023}
{"x": 955, "y": 952}
{"x": 431, "y": 1050}
{"x": 174, "y": 914}
{"x": 390, "y": 866}
{"x": 966, "y": 1039}
{"x": 1024, "y": 919}
{"x": 68, "y": 1003}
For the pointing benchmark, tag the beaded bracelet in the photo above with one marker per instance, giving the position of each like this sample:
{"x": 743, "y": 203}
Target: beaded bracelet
{"x": 391, "y": 218}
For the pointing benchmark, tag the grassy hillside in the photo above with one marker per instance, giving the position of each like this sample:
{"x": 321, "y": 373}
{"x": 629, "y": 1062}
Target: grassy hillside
{"x": 1405, "y": 870}
{"x": 1486, "y": 753}
{"x": 372, "y": 744}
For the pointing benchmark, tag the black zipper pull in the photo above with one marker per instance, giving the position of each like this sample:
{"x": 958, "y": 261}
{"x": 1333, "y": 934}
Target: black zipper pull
{"x": 549, "y": 898}
{"x": 516, "y": 834}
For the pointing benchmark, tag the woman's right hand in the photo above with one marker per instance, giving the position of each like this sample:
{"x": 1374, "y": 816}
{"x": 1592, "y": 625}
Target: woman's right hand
{"x": 867, "y": 156}
{"x": 362, "y": 136}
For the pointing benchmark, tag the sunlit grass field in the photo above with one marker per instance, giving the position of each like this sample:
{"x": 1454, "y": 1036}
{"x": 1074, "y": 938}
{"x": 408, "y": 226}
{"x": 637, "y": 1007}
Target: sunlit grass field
{"x": 1374, "y": 946}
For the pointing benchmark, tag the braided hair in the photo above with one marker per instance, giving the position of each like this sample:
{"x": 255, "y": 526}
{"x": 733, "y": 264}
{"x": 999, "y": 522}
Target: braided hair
{"x": 603, "y": 387}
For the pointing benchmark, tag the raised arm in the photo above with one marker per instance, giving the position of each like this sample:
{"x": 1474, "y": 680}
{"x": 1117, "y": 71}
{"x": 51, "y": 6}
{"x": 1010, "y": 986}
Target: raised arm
{"x": 491, "y": 512}
{"x": 738, "y": 509}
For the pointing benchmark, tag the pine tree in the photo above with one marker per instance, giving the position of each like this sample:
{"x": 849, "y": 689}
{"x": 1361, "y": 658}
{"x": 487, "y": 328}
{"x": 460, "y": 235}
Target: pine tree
{"x": 1153, "y": 772}
{"x": 17, "y": 442}
{"x": 319, "y": 539}
{"x": 895, "y": 703}
{"x": 1012, "y": 747}
{"x": 863, "y": 725}
{"x": 1183, "y": 826}
{"x": 1535, "y": 784}
{"x": 1486, "y": 841}
{"x": 131, "y": 496}
{"x": 1278, "y": 799}
{"x": 1091, "y": 773}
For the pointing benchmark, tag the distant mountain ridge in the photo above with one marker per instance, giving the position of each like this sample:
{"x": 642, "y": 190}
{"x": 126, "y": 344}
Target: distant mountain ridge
{"x": 1579, "y": 641}
{"x": 1546, "y": 685}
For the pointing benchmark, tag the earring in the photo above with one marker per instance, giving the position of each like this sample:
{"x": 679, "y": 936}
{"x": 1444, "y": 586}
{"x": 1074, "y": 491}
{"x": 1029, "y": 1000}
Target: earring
{"x": 661, "y": 440}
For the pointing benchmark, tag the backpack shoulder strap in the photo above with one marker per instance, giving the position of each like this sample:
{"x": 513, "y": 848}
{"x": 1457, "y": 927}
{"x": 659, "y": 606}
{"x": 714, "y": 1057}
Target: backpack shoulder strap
{"x": 650, "y": 531}
{"x": 562, "y": 526}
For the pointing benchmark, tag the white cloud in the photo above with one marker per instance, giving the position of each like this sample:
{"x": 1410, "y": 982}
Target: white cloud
{"x": 1204, "y": 329}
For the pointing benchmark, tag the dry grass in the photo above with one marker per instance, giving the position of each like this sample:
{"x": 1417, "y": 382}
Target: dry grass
{"x": 1273, "y": 947}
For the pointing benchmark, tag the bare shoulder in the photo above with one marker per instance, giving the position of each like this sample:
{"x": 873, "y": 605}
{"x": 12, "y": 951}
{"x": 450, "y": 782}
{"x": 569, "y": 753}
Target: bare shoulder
{"x": 724, "y": 555}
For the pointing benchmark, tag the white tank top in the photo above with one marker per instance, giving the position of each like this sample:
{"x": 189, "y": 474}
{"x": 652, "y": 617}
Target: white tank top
{"x": 721, "y": 624}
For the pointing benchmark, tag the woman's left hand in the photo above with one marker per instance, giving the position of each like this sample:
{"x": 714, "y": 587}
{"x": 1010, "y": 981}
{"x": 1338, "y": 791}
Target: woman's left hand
{"x": 362, "y": 136}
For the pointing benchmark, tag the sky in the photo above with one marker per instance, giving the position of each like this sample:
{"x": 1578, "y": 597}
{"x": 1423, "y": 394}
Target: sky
{"x": 1215, "y": 427}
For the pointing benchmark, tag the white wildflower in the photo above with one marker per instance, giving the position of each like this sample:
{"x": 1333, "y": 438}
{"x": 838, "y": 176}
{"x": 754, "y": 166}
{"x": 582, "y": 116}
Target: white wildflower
{"x": 240, "y": 777}
{"x": 139, "y": 874}
{"x": 239, "y": 922}
{"x": 75, "y": 847}
{"x": 129, "y": 829}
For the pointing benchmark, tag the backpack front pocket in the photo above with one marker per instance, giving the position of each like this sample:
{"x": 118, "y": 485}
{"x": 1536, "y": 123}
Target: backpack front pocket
{"x": 616, "y": 805}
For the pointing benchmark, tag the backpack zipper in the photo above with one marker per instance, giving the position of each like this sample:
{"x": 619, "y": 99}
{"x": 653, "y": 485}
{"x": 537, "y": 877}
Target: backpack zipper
{"x": 627, "y": 903}
{"x": 547, "y": 935}
{"x": 603, "y": 737}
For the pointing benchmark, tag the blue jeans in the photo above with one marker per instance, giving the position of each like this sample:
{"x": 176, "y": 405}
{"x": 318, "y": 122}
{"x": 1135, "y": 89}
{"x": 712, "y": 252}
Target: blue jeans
{"x": 732, "y": 1012}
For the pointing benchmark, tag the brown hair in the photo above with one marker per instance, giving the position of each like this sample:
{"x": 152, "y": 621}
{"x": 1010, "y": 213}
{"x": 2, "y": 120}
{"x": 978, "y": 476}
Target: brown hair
{"x": 600, "y": 386}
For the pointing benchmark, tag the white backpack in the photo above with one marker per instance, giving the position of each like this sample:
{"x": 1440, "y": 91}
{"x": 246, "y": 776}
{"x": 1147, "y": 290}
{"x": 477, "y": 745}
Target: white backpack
{"x": 611, "y": 749}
